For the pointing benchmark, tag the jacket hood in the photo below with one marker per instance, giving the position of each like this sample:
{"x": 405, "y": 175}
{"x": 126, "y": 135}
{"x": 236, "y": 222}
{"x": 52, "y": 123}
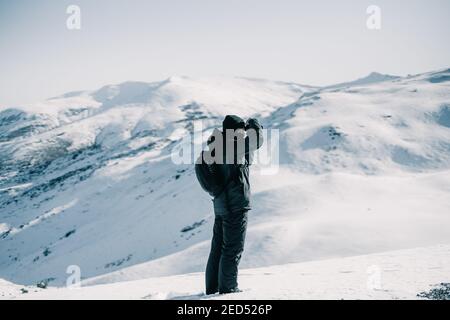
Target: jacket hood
{"x": 233, "y": 122}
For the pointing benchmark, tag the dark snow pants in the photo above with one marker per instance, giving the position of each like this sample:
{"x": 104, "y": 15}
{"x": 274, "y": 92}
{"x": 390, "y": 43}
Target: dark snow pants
{"x": 226, "y": 250}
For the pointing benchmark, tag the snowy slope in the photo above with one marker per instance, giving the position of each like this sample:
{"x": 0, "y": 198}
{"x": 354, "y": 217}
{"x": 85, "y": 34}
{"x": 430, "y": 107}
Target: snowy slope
{"x": 391, "y": 275}
{"x": 87, "y": 178}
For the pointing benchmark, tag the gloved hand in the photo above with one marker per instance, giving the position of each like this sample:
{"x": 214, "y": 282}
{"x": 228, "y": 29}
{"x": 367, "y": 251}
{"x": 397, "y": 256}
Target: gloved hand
{"x": 252, "y": 123}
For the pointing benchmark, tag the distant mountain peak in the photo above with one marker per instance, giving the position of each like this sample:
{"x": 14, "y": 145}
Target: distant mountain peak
{"x": 378, "y": 76}
{"x": 372, "y": 77}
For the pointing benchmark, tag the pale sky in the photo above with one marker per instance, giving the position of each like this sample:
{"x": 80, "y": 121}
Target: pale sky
{"x": 310, "y": 42}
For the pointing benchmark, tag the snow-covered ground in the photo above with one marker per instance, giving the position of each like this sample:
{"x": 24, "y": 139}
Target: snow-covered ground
{"x": 87, "y": 178}
{"x": 391, "y": 275}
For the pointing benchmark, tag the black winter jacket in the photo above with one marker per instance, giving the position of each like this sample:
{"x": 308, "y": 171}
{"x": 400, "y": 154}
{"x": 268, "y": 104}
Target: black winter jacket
{"x": 236, "y": 196}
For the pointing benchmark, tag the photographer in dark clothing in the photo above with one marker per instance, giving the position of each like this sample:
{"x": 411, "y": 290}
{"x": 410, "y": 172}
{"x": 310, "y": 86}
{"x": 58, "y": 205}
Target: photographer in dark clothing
{"x": 231, "y": 206}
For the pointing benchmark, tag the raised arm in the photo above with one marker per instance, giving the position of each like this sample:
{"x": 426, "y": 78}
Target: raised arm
{"x": 254, "y": 139}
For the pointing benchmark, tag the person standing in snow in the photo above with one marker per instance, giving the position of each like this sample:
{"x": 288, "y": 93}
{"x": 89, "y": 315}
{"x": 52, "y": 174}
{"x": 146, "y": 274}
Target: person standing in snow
{"x": 239, "y": 140}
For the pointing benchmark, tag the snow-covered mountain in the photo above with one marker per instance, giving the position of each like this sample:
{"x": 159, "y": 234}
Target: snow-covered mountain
{"x": 87, "y": 178}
